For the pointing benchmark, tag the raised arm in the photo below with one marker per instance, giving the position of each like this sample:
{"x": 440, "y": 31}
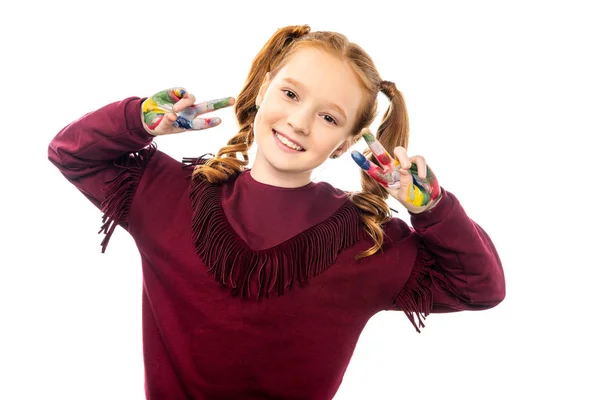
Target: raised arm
{"x": 456, "y": 268}
{"x": 105, "y": 152}
{"x": 101, "y": 152}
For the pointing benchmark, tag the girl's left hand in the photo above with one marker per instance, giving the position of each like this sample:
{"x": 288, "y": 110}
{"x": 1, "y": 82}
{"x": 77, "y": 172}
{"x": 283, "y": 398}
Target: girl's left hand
{"x": 408, "y": 179}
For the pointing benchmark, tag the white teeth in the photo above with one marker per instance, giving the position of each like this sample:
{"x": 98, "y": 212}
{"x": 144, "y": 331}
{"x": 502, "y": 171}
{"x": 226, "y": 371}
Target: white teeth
{"x": 287, "y": 142}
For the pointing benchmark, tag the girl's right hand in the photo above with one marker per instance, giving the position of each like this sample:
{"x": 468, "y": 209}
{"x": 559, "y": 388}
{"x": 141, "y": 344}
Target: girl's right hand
{"x": 173, "y": 111}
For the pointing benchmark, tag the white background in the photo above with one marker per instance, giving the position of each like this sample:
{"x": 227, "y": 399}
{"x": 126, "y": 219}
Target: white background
{"x": 503, "y": 100}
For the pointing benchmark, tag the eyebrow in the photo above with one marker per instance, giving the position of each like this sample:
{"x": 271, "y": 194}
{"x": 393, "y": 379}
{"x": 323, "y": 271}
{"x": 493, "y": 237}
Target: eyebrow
{"x": 330, "y": 104}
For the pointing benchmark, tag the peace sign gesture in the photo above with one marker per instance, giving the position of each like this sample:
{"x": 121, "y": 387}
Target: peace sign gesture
{"x": 408, "y": 179}
{"x": 173, "y": 111}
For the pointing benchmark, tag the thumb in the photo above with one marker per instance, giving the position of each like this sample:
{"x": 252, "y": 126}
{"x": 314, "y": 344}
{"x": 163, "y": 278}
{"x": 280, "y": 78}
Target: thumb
{"x": 168, "y": 121}
{"x": 165, "y": 126}
{"x": 170, "y": 117}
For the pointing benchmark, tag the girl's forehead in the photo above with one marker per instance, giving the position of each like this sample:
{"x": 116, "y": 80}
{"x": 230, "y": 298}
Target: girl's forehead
{"x": 320, "y": 72}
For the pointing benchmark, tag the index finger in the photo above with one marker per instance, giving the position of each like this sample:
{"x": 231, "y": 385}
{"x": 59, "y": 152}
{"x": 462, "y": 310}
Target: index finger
{"x": 384, "y": 158}
{"x": 211, "y": 105}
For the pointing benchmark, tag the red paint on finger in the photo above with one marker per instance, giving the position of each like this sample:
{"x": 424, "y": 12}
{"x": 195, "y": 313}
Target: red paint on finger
{"x": 384, "y": 159}
{"x": 378, "y": 176}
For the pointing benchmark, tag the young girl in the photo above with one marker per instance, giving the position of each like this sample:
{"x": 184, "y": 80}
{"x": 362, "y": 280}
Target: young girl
{"x": 258, "y": 282}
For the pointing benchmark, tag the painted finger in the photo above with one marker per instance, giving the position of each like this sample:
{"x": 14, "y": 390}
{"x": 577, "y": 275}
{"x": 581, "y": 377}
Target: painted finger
{"x": 423, "y": 191}
{"x": 421, "y": 165}
{"x": 208, "y": 106}
{"x": 197, "y": 123}
{"x": 388, "y": 178}
{"x": 384, "y": 158}
{"x": 167, "y": 98}
{"x": 186, "y": 101}
{"x": 205, "y": 123}
{"x": 402, "y": 157}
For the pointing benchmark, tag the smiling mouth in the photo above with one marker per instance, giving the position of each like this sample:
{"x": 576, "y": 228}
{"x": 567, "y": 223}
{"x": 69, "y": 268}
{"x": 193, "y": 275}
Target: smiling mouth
{"x": 287, "y": 142}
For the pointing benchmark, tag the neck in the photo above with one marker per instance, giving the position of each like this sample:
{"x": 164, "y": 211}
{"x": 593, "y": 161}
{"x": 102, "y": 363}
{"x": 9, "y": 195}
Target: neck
{"x": 267, "y": 174}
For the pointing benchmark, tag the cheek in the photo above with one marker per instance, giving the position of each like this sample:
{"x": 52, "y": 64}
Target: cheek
{"x": 273, "y": 110}
{"x": 263, "y": 116}
{"x": 276, "y": 107}
{"x": 262, "y": 127}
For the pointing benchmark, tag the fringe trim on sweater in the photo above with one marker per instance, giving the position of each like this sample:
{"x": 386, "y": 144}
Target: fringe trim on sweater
{"x": 120, "y": 190}
{"x": 278, "y": 268}
{"x": 416, "y": 298}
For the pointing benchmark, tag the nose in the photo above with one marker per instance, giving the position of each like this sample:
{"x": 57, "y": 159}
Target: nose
{"x": 299, "y": 120}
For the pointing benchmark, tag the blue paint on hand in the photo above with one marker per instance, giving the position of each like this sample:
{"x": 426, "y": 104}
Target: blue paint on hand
{"x": 361, "y": 160}
{"x": 182, "y": 123}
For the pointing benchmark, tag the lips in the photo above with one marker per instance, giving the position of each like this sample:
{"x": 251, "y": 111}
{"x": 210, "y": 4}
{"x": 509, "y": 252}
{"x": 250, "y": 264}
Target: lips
{"x": 288, "y": 138}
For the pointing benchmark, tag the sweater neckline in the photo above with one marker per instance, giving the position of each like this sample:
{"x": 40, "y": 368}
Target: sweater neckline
{"x": 247, "y": 175}
{"x": 258, "y": 273}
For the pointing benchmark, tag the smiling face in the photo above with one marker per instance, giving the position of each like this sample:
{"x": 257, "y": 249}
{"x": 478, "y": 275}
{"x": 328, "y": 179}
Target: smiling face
{"x": 312, "y": 102}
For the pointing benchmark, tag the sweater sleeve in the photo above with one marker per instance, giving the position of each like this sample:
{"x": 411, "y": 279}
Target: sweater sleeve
{"x": 456, "y": 268}
{"x": 103, "y": 154}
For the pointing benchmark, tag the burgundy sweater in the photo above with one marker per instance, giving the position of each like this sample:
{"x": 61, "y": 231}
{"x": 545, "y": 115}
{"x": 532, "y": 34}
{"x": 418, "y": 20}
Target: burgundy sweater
{"x": 250, "y": 290}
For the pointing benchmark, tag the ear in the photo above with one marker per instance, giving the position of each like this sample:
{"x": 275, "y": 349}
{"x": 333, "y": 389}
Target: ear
{"x": 263, "y": 89}
{"x": 351, "y": 141}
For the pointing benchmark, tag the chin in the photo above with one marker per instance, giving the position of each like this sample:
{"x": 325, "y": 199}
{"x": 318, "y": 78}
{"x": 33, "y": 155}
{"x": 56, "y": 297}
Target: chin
{"x": 280, "y": 162}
